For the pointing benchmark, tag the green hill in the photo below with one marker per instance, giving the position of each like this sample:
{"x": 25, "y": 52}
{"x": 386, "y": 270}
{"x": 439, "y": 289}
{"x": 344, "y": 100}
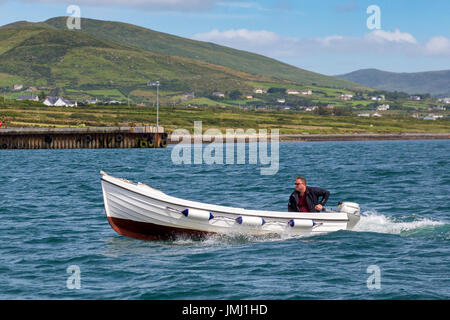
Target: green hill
{"x": 432, "y": 82}
{"x": 177, "y": 46}
{"x": 45, "y": 56}
{"x": 112, "y": 59}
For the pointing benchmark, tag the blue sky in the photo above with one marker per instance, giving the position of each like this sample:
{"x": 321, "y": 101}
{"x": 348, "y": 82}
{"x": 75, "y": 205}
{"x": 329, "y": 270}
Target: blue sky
{"x": 330, "y": 37}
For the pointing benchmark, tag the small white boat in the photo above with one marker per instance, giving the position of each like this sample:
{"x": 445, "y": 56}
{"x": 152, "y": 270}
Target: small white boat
{"x": 138, "y": 211}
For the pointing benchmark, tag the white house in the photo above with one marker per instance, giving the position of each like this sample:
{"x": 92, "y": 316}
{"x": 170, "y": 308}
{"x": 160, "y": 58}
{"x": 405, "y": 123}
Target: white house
{"x": 92, "y": 101}
{"x": 307, "y": 92}
{"x": 59, "y": 102}
{"x": 441, "y": 108}
{"x": 364, "y": 115}
{"x": 376, "y": 114}
{"x": 259, "y": 91}
{"x": 432, "y": 116}
{"x": 383, "y": 107}
{"x": 292, "y": 91}
{"x": 219, "y": 94}
{"x": 18, "y": 87}
{"x": 415, "y": 98}
{"x": 346, "y": 97}
{"x": 281, "y": 100}
{"x": 381, "y": 97}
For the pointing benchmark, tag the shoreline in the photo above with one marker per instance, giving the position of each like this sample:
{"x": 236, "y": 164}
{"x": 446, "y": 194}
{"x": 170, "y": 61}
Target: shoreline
{"x": 365, "y": 137}
{"x": 323, "y": 137}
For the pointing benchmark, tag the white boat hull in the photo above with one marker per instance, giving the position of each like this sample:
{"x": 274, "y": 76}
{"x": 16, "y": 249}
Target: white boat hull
{"x": 141, "y": 212}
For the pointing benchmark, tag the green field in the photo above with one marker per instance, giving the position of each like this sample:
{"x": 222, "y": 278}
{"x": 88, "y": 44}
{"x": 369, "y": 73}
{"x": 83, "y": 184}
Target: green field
{"x": 21, "y": 114}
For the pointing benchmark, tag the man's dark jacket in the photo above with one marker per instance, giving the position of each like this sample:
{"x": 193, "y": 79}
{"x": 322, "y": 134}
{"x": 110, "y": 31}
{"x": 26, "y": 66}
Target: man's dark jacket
{"x": 312, "y": 199}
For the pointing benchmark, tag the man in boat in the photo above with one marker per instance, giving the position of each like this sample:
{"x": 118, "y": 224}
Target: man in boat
{"x": 306, "y": 198}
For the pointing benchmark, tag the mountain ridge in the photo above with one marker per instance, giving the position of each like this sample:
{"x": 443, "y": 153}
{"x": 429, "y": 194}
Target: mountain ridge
{"x": 105, "y": 54}
{"x": 164, "y": 43}
{"x": 51, "y": 57}
{"x": 436, "y": 83}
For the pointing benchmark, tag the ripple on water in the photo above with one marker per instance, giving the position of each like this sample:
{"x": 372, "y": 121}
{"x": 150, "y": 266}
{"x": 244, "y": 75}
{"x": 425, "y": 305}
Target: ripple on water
{"x": 53, "y": 217}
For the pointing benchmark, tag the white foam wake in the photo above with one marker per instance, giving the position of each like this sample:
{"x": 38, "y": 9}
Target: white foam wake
{"x": 370, "y": 222}
{"x": 374, "y": 222}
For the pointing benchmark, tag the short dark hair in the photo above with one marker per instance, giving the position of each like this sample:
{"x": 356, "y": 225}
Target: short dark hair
{"x": 301, "y": 178}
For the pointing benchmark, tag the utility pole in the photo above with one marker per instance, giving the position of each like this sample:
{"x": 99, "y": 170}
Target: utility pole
{"x": 156, "y": 84}
{"x": 157, "y": 106}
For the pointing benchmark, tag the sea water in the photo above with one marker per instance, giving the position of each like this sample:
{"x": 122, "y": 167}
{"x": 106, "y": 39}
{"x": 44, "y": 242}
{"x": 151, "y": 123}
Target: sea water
{"x": 56, "y": 243}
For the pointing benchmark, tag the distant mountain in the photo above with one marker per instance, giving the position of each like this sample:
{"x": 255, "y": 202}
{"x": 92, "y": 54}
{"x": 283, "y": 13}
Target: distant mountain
{"x": 436, "y": 83}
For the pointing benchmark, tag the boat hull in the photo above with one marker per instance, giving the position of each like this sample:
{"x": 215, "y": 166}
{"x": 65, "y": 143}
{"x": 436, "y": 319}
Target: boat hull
{"x": 138, "y": 211}
{"x": 151, "y": 232}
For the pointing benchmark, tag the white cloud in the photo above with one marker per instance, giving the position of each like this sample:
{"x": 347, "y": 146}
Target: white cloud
{"x": 327, "y": 41}
{"x": 389, "y": 36}
{"x": 244, "y": 36}
{"x": 439, "y": 45}
{"x": 278, "y": 46}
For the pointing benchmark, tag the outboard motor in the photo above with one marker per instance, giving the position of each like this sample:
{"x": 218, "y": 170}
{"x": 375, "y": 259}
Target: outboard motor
{"x": 349, "y": 208}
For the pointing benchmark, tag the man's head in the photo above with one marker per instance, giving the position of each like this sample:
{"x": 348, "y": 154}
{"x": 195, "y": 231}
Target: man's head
{"x": 300, "y": 184}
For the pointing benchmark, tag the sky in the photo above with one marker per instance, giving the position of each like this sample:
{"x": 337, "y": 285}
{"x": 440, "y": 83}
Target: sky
{"x": 328, "y": 36}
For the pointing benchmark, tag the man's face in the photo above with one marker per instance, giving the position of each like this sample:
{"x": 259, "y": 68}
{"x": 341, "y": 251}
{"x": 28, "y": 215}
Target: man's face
{"x": 300, "y": 186}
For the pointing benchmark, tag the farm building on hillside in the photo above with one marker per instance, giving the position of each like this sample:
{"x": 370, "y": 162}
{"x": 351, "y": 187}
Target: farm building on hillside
{"x": 292, "y": 91}
{"x": 219, "y": 94}
{"x": 383, "y": 107}
{"x": 59, "y": 102}
{"x": 33, "y": 97}
{"x": 259, "y": 91}
{"x": 346, "y": 97}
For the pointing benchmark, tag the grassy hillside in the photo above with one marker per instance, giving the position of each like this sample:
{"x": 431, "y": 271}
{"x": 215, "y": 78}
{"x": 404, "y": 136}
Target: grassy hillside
{"x": 433, "y": 82}
{"x": 44, "y": 56}
{"x": 177, "y": 46}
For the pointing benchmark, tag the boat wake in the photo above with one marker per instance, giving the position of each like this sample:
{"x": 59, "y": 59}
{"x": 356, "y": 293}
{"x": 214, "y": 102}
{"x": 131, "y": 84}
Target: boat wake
{"x": 370, "y": 222}
{"x": 234, "y": 239}
{"x": 375, "y": 222}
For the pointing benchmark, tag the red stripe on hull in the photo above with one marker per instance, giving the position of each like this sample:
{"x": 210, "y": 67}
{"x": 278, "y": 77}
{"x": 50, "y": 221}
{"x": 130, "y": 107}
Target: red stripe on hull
{"x": 150, "y": 231}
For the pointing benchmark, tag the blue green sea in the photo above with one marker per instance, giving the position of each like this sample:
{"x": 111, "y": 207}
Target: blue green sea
{"x": 52, "y": 218}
